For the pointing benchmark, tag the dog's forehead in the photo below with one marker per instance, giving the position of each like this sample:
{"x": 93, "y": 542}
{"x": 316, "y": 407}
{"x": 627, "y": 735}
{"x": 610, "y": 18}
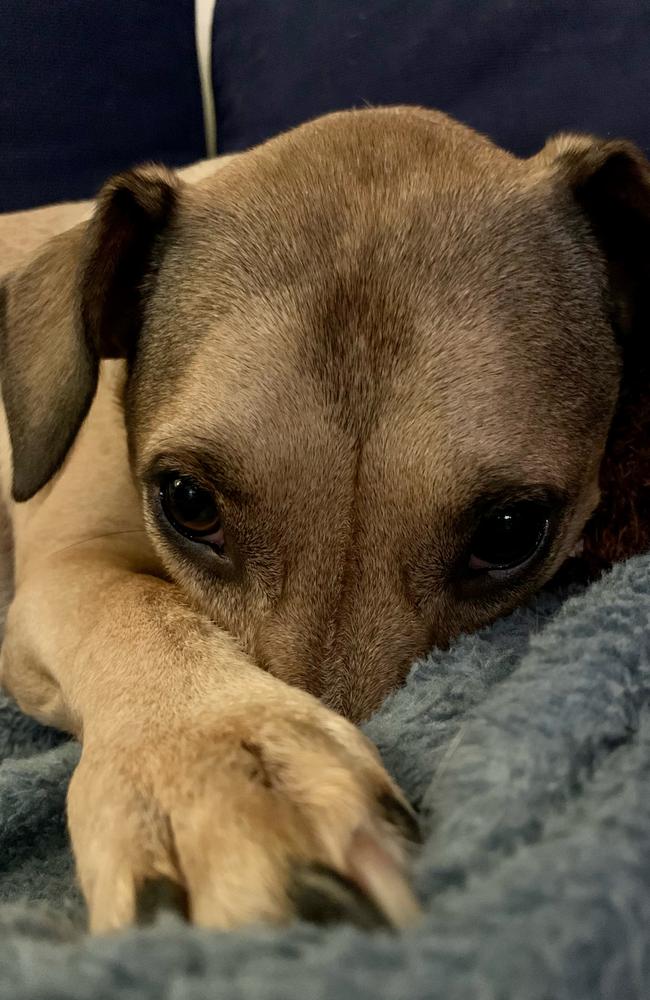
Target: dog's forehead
{"x": 366, "y": 217}
{"x": 401, "y": 272}
{"x": 343, "y": 187}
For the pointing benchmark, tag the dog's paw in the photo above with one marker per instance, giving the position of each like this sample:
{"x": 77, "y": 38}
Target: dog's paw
{"x": 267, "y": 811}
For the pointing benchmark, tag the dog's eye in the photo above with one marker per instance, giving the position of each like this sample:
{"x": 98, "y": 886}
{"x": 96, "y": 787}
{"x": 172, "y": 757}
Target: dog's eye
{"x": 192, "y": 510}
{"x": 508, "y": 537}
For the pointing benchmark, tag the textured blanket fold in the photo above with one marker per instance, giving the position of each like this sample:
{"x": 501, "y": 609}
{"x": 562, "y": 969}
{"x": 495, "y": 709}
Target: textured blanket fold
{"x": 527, "y": 750}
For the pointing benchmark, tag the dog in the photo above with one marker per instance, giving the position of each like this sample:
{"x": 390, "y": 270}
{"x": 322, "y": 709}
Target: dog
{"x": 269, "y": 436}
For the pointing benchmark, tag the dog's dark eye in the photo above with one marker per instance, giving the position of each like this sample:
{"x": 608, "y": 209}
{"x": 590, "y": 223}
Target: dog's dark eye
{"x": 192, "y": 510}
{"x": 508, "y": 537}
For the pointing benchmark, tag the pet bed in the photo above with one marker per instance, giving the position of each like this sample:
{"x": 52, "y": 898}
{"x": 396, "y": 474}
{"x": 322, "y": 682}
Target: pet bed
{"x": 526, "y": 748}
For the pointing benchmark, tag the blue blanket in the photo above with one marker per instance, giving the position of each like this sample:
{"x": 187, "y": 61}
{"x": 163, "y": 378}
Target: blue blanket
{"x": 526, "y": 748}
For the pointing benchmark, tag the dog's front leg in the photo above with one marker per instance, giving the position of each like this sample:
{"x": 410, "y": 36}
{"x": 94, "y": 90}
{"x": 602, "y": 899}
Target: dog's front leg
{"x": 197, "y": 766}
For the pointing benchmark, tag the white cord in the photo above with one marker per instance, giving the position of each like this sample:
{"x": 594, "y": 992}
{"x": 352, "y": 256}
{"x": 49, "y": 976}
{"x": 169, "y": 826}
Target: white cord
{"x": 203, "y": 22}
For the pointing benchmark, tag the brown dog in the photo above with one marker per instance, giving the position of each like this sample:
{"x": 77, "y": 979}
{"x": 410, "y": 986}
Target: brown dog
{"x": 371, "y": 370}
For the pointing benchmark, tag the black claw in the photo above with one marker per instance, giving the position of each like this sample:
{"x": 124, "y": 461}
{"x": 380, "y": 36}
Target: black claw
{"x": 323, "y": 896}
{"x": 157, "y": 895}
{"x": 396, "y": 813}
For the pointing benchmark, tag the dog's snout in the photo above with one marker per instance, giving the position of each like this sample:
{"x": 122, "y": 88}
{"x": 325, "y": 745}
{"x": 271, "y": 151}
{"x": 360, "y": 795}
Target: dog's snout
{"x": 369, "y": 658}
{"x": 350, "y": 653}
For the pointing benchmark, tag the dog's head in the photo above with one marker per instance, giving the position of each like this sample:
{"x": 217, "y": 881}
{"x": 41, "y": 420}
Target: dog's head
{"x": 374, "y": 368}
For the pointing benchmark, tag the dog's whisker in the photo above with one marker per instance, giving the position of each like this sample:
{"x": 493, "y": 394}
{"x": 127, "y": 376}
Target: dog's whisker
{"x": 97, "y": 538}
{"x": 448, "y": 754}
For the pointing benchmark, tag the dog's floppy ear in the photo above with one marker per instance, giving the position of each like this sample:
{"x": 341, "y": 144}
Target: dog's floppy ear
{"x": 79, "y": 300}
{"x": 610, "y": 183}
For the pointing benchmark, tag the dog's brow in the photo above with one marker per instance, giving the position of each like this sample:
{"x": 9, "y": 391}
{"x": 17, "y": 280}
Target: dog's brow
{"x": 211, "y": 463}
{"x": 495, "y": 486}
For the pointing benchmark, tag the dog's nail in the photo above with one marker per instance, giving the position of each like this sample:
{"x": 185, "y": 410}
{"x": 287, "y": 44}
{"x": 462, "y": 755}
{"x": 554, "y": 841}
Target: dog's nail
{"x": 400, "y": 816}
{"x": 323, "y": 896}
{"x": 157, "y": 895}
{"x": 383, "y": 879}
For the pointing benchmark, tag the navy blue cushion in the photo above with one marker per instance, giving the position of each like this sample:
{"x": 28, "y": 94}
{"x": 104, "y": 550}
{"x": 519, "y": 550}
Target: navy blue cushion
{"x": 515, "y": 69}
{"x": 90, "y": 88}
{"x": 87, "y": 89}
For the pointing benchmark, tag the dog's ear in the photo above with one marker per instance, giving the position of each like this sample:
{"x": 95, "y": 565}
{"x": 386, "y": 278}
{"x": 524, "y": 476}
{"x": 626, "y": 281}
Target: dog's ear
{"x": 80, "y": 300}
{"x": 609, "y": 181}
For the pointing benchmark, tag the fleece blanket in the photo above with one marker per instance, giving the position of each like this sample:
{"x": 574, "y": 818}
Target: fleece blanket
{"x": 526, "y": 748}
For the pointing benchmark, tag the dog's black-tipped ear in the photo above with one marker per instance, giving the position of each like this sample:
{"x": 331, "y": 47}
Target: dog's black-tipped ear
{"x": 79, "y": 300}
{"x": 609, "y": 181}
{"x": 133, "y": 209}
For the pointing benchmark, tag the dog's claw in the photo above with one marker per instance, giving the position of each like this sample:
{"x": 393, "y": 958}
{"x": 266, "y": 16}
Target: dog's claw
{"x": 321, "y": 895}
{"x": 158, "y": 895}
{"x": 375, "y": 868}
